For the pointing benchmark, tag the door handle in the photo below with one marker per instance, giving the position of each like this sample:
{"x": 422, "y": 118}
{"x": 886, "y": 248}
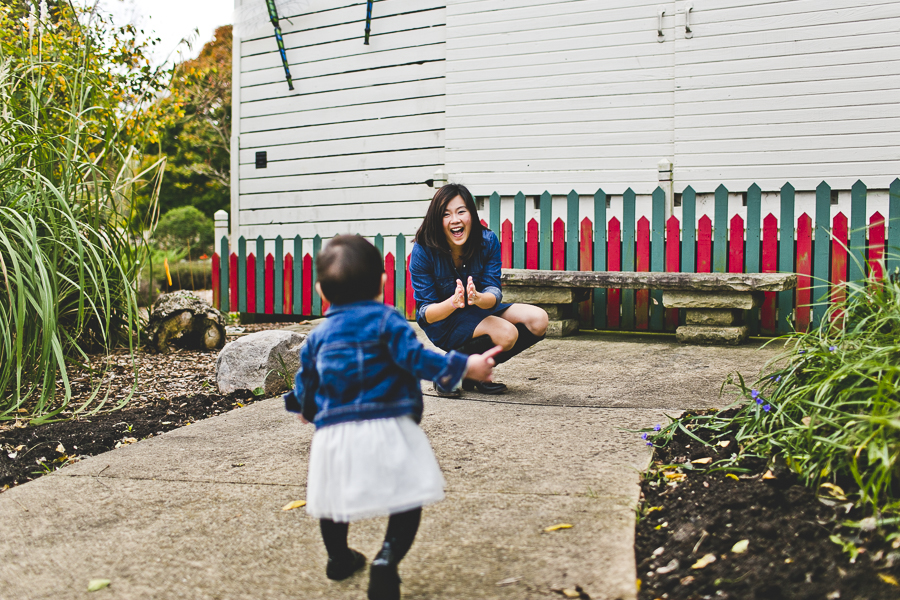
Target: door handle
{"x": 659, "y": 24}
{"x": 688, "y": 32}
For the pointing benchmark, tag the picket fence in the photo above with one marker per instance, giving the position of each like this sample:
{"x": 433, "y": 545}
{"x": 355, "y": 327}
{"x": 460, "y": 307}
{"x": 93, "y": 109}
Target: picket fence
{"x": 824, "y": 252}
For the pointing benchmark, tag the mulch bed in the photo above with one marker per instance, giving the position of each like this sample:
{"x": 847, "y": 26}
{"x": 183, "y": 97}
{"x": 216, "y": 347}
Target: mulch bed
{"x": 173, "y": 390}
{"x": 690, "y": 514}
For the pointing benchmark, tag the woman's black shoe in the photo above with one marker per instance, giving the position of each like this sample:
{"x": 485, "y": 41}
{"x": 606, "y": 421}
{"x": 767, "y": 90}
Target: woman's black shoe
{"x": 384, "y": 583}
{"x": 340, "y": 570}
{"x": 446, "y": 392}
{"x": 485, "y": 387}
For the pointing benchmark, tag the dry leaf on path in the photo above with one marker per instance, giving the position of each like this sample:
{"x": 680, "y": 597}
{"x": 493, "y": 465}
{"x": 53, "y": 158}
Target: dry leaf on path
{"x": 558, "y": 527}
{"x": 768, "y": 474}
{"x": 97, "y": 584}
{"x": 294, "y": 504}
{"x": 704, "y": 562}
{"x": 61, "y": 449}
{"x": 888, "y": 579}
{"x": 723, "y": 443}
{"x": 508, "y": 581}
{"x": 834, "y": 491}
{"x": 740, "y": 547}
{"x": 568, "y": 593}
{"x": 702, "y": 461}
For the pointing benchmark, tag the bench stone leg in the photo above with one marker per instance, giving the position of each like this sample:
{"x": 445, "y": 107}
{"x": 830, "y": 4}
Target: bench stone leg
{"x": 712, "y": 317}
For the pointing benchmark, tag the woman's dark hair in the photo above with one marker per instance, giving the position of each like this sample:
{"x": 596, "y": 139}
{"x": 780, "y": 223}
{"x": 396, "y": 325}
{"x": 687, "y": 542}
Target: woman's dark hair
{"x": 431, "y": 232}
{"x": 349, "y": 270}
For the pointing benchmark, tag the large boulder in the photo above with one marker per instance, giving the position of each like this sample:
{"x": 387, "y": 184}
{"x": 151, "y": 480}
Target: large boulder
{"x": 182, "y": 320}
{"x": 266, "y": 360}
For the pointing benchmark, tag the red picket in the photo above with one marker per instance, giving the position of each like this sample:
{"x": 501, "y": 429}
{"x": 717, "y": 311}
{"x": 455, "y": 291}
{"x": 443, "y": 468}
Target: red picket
{"x": 288, "y": 304}
{"x": 484, "y": 224}
{"x": 673, "y": 263}
{"x": 232, "y": 283}
{"x": 736, "y": 245}
{"x": 251, "y": 283}
{"x": 876, "y": 246}
{"x": 216, "y": 281}
{"x": 614, "y": 263}
{"x": 531, "y": 246}
{"x": 559, "y": 245}
{"x": 642, "y": 265}
{"x": 586, "y": 263}
{"x": 804, "y": 271}
{"x": 410, "y": 297}
{"x": 704, "y": 245}
{"x": 390, "y": 268}
{"x": 307, "y": 284}
{"x": 838, "y": 262}
{"x": 269, "y": 289}
{"x": 769, "y": 265}
{"x": 506, "y": 245}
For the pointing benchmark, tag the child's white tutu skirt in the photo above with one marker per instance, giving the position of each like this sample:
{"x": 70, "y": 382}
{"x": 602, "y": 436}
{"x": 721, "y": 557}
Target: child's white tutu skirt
{"x": 376, "y": 467}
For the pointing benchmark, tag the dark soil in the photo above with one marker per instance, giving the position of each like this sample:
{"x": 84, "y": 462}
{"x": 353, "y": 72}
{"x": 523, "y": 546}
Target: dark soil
{"x": 789, "y": 555}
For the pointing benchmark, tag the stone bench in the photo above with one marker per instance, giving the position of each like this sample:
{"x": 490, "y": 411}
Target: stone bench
{"x": 713, "y": 302}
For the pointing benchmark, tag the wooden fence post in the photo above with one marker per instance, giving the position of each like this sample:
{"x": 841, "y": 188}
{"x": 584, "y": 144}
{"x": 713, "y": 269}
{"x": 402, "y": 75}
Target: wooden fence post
{"x": 298, "y": 276}
{"x": 628, "y": 248}
{"x": 216, "y": 281}
{"x": 279, "y": 276}
{"x": 260, "y": 275}
{"x": 390, "y": 288}
{"x": 585, "y": 263}
{"x": 752, "y": 246}
{"x": 223, "y": 275}
{"x": 251, "y": 283}
{"x": 572, "y": 231}
{"x": 704, "y": 244}
{"x": 599, "y": 256}
{"x": 506, "y": 245}
{"x": 531, "y": 258}
{"x": 494, "y": 214}
{"x": 804, "y": 271}
{"x": 546, "y": 231}
{"x": 642, "y": 265}
{"x": 673, "y": 245}
{"x": 769, "y": 265}
{"x": 786, "y": 256}
{"x": 400, "y": 279}
{"x": 856, "y": 263}
{"x": 822, "y": 245}
{"x": 559, "y": 245}
{"x": 519, "y": 231}
{"x": 614, "y": 238}
{"x": 720, "y": 231}
{"x": 893, "y": 257}
{"x": 242, "y": 274}
{"x": 838, "y": 262}
{"x": 316, "y": 299}
{"x": 657, "y": 255}
{"x": 688, "y": 230}
{"x": 288, "y": 275}
{"x": 876, "y": 246}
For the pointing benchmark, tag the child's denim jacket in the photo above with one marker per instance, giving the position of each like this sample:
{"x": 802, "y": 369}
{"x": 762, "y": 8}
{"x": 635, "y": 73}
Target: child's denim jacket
{"x": 364, "y": 362}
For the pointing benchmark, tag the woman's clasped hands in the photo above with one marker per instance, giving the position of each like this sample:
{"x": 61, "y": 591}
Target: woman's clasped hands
{"x": 469, "y": 293}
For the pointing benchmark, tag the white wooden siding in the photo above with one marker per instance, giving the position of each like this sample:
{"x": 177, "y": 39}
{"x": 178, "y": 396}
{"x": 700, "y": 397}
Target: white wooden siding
{"x": 791, "y": 90}
{"x": 549, "y": 95}
{"x": 350, "y": 149}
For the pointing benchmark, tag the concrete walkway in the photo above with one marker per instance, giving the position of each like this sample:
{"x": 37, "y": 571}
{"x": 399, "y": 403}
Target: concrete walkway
{"x": 197, "y": 512}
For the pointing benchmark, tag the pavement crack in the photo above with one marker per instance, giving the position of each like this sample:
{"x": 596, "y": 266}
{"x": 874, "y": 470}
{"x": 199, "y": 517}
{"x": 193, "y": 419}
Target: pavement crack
{"x": 181, "y": 480}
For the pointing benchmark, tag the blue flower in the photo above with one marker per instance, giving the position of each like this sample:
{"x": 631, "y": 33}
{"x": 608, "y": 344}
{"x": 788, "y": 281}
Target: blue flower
{"x": 649, "y": 443}
{"x": 833, "y": 348}
{"x": 657, "y": 428}
{"x": 643, "y": 436}
{"x": 777, "y": 379}
{"x": 801, "y": 351}
{"x": 767, "y": 407}
{"x": 759, "y": 400}
{"x": 754, "y": 394}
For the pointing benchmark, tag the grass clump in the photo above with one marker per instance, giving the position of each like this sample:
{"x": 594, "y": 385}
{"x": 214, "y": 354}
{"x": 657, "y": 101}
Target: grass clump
{"x": 828, "y": 408}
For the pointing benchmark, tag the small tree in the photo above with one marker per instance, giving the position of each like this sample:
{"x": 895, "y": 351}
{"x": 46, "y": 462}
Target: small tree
{"x": 185, "y": 229}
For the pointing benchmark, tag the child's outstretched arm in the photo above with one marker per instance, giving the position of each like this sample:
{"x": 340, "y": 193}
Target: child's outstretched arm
{"x": 481, "y": 366}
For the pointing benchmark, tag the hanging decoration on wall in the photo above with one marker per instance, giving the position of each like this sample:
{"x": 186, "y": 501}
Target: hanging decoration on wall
{"x": 368, "y": 20}
{"x": 273, "y": 16}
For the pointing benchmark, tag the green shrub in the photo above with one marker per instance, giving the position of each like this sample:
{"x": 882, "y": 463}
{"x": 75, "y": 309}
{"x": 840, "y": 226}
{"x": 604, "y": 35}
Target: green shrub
{"x": 185, "y": 229}
{"x": 829, "y": 407}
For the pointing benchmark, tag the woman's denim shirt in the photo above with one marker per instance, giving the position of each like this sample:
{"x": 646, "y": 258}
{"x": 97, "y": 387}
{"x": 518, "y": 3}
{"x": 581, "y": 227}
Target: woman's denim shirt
{"x": 433, "y": 276}
{"x": 365, "y": 362}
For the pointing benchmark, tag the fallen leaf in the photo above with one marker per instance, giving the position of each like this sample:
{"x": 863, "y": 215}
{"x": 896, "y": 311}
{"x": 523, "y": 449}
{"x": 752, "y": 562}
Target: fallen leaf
{"x": 97, "y": 584}
{"x": 61, "y": 449}
{"x": 558, "y": 527}
{"x": 704, "y": 562}
{"x": 788, "y": 561}
{"x": 654, "y": 508}
{"x": 687, "y": 580}
{"x": 569, "y": 593}
{"x": 673, "y": 564}
{"x": 733, "y": 476}
{"x": 638, "y": 584}
{"x": 740, "y": 547}
{"x": 768, "y": 474}
{"x": 659, "y": 551}
{"x": 723, "y": 443}
{"x": 675, "y": 476}
{"x": 294, "y": 504}
{"x": 19, "y": 448}
{"x": 702, "y": 461}
{"x": 834, "y": 491}
{"x": 508, "y": 581}
{"x": 888, "y": 579}
{"x": 806, "y": 421}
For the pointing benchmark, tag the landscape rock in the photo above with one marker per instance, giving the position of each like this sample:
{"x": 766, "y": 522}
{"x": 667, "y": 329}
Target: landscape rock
{"x": 265, "y": 360}
{"x": 736, "y": 300}
{"x": 712, "y": 316}
{"x": 526, "y": 294}
{"x": 707, "y": 334}
{"x": 182, "y": 320}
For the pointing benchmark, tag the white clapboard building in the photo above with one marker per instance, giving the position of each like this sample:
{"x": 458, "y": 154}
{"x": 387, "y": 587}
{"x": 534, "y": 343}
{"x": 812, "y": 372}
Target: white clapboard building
{"x": 530, "y": 96}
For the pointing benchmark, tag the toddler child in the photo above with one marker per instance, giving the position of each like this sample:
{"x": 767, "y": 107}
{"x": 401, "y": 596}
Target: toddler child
{"x": 359, "y": 384}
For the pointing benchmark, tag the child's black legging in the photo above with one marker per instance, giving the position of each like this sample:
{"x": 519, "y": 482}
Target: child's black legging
{"x": 401, "y": 531}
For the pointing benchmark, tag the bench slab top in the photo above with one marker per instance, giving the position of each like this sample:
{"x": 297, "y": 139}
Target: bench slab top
{"x": 706, "y": 282}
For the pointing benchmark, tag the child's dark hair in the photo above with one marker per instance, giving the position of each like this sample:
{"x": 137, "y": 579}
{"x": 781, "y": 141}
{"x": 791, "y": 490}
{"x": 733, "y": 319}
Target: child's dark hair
{"x": 431, "y": 232}
{"x": 349, "y": 270}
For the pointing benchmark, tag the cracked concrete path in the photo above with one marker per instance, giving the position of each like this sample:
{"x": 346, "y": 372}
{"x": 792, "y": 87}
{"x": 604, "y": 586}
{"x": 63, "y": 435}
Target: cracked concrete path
{"x": 196, "y": 513}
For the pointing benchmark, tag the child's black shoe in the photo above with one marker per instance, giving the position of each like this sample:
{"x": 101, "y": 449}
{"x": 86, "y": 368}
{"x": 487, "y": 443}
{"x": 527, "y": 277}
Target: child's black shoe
{"x": 384, "y": 582}
{"x": 339, "y": 570}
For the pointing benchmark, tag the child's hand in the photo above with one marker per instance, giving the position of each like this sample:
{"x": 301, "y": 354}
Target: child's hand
{"x": 480, "y": 367}
{"x": 459, "y": 300}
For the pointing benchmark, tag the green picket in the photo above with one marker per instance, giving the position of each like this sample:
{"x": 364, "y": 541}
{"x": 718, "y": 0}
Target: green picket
{"x": 720, "y": 231}
{"x": 600, "y": 256}
{"x": 628, "y": 249}
{"x": 298, "y": 276}
{"x": 546, "y": 231}
{"x": 400, "y": 278}
{"x": 278, "y": 276}
{"x": 857, "y": 259}
{"x": 519, "y": 231}
{"x": 821, "y": 253}
{"x": 242, "y": 274}
{"x": 572, "y": 230}
{"x": 495, "y": 214}
{"x": 316, "y": 299}
{"x": 260, "y": 275}
{"x": 224, "y": 259}
{"x": 893, "y": 237}
{"x": 657, "y": 255}
{"x": 786, "y": 255}
{"x": 752, "y": 245}
{"x": 379, "y": 244}
{"x": 688, "y": 230}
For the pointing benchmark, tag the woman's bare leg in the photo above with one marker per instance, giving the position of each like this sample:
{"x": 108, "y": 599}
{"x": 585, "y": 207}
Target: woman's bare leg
{"x": 532, "y": 317}
{"x": 502, "y": 332}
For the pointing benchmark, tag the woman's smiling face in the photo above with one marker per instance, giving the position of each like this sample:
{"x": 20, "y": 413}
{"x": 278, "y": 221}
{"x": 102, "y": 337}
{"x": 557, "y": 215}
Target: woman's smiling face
{"x": 457, "y": 223}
